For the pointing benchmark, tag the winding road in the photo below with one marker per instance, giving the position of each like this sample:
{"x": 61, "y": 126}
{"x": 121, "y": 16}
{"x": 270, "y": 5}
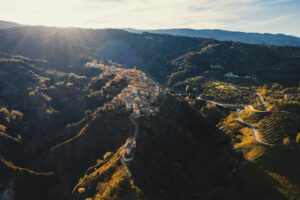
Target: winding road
{"x": 257, "y": 111}
{"x": 128, "y": 149}
{"x": 231, "y": 106}
{"x": 239, "y": 108}
{"x": 253, "y": 128}
{"x": 255, "y": 132}
{"x": 238, "y": 119}
{"x": 262, "y": 102}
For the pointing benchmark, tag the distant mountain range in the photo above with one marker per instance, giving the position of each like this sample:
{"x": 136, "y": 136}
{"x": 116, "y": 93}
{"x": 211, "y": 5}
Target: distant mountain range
{"x": 222, "y": 35}
{"x": 6, "y": 24}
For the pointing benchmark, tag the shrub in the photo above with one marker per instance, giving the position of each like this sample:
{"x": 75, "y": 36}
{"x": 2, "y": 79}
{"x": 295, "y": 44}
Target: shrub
{"x": 15, "y": 115}
{"x": 2, "y": 128}
{"x": 107, "y": 155}
{"x": 69, "y": 84}
{"x": 4, "y": 112}
{"x": 46, "y": 97}
{"x": 31, "y": 93}
{"x": 51, "y": 111}
{"x": 8, "y": 116}
{"x": 298, "y": 138}
{"x": 81, "y": 190}
{"x": 286, "y": 141}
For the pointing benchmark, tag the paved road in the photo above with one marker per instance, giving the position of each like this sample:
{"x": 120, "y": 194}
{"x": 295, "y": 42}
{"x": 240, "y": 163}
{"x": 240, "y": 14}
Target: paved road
{"x": 231, "y": 106}
{"x": 255, "y": 132}
{"x": 262, "y": 102}
{"x": 239, "y": 108}
{"x": 128, "y": 148}
{"x": 257, "y": 111}
{"x": 134, "y": 120}
{"x": 254, "y": 129}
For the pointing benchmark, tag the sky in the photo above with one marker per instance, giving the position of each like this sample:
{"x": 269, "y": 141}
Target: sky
{"x": 265, "y": 16}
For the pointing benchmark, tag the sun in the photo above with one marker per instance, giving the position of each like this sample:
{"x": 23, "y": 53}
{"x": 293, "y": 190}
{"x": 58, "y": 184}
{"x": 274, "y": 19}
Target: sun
{"x": 60, "y": 13}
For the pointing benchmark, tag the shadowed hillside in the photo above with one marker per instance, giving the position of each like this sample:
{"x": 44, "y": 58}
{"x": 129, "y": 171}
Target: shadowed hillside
{"x": 108, "y": 114}
{"x": 155, "y": 54}
{"x": 60, "y": 127}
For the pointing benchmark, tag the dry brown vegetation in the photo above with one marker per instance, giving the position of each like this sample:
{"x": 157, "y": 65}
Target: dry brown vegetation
{"x": 2, "y": 128}
{"x": 110, "y": 180}
{"x": 10, "y": 168}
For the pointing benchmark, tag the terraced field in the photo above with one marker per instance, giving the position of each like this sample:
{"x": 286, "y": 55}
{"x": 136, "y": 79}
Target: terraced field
{"x": 252, "y": 117}
{"x": 279, "y": 125}
{"x": 227, "y": 93}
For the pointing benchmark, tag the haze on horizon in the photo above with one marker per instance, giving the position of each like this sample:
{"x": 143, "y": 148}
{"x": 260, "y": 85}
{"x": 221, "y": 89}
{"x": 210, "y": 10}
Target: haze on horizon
{"x": 267, "y": 16}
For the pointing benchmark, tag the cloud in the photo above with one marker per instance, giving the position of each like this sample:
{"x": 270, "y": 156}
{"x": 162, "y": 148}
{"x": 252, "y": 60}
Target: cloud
{"x": 263, "y": 22}
{"x": 150, "y": 14}
{"x": 108, "y": 1}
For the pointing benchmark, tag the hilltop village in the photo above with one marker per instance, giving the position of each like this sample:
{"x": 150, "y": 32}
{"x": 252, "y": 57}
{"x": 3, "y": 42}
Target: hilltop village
{"x": 139, "y": 96}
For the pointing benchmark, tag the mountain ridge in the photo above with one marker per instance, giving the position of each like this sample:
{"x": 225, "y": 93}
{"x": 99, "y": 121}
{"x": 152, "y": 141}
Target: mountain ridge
{"x": 8, "y": 24}
{"x": 278, "y": 39}
{"x": 226, "y": 35}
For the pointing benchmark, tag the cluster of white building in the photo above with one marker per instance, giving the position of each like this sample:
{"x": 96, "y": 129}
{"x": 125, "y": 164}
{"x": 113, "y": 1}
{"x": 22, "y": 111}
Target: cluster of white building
{"x": 138, "y": 96}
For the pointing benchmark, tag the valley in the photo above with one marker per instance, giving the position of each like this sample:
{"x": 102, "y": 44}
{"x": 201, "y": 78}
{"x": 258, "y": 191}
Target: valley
{"x": 109, "y": 114}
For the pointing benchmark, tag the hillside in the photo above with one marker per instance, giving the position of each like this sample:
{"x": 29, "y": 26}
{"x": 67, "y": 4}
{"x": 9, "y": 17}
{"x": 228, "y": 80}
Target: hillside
{"x": 223, "y": 35}
{"x": 230, "y": 60}
{"x": 71, "y": 47}
{"x": 87, "y": 115}
{"x": 109, "y": 114}
{"x": 7, "y": 24}
{"x": 67, "y": 48}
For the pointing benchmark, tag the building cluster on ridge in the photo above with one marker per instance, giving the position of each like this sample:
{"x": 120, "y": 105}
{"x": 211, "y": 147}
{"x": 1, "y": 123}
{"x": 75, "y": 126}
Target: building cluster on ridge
{"x": 140, "y": 94}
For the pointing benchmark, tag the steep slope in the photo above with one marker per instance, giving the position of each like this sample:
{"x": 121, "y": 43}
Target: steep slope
{"x": 108, "y": 179}
{"x": 182, "y": 149}
{"x": 174, "y": 160}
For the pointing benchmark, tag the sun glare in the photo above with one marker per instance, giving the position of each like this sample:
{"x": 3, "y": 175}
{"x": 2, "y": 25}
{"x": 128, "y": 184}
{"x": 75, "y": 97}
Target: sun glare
{"x": 261, "y": 16}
